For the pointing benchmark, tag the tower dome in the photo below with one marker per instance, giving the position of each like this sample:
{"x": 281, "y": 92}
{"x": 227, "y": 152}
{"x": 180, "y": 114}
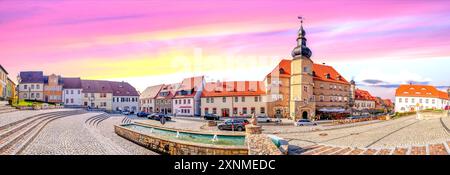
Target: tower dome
{"x": 301, "y": 49}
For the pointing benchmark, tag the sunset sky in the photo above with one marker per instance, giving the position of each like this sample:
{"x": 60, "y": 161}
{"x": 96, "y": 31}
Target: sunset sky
{"x": 378, "y": 43}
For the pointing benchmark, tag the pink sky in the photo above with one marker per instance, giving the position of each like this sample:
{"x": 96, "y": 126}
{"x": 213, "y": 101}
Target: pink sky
{"x": 138, "y": 40}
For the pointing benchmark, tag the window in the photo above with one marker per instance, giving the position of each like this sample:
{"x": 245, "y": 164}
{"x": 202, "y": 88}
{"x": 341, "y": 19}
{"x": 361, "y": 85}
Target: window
{"x": 224, "y": 99}
{"x": 420, "y": 100}
{"x": 426, "y": 101}
{"x": 433, "y": 101}
{"x": 207, "y": 100}
{"x": 214, "y": 110}
{"x": 79, "y": 92}
{"x": 206, "y": 110}
{"x": 406, "y": 100}
{"x": 32, "y": 95}
{"x": 321, "y": 86}
{"x": 262, "y": 110}
{"x": 244, "y": 110}
{"x": 67, "y": 100}
{"x": 321, "y": 98}
{"x": 32, "y": 86}
{"x": 184, "y": 101}
{"x": 252, "y": 110}
{"x": 305, "y": 88}
{"x": 189, "y": 101}
{"x": 236, "y": 99}
{"x": 71, "y": 91}
{"x": 37, "y": 86}
{"x": 212, "y": 100}
{"x": 67, "y": 91}
{"x": 243, "y": 99}
{"x": 25, "y": 86}
{"x": 256, "y": 99}
{"x": 71, "y": 100}
{"x": 235, "y": 110}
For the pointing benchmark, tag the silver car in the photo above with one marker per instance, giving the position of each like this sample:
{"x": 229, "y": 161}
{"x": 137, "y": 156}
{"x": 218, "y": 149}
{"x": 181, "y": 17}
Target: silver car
{"x": 305, "y": 122}
{"x": 263, "y": 119}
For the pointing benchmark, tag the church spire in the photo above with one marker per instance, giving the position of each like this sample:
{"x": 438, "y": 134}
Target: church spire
{"x": 301, "y": 49}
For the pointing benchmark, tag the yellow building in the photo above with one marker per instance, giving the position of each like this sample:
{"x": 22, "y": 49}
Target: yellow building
{"x": 3, "y": 83}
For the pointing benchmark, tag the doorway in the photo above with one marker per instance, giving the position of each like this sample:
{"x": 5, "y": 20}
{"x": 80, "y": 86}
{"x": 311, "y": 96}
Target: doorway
{"x": 305, "y": 115}
{"x": 225, "y": 112}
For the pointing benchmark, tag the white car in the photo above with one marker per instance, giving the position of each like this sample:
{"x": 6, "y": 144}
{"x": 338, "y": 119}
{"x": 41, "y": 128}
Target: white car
{"x": 305, "y": 122}
{"x": 263, "y": 119}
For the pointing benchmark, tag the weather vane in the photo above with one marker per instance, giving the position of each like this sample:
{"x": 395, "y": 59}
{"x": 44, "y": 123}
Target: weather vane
{"x": 301, "y": 19}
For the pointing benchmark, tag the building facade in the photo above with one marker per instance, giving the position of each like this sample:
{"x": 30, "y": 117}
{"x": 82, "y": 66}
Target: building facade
{"x": 147, "y": 98}
{"x": 186, "y": 101}
{"x": 235, "y": 98}
{"x": 11, "y": 90}
{"x": 31, "y": 85}
{"x": 97, "y": 94}
{"x": 53, "y": 89}
{"x": 3, "y": 83}
{"x": 277, "y": 86}
{"x": 125, "y": 97}
{"x": 163, "y": 101}
{"x": 364, "y": 101}
{"x": 72, "y": 92}
{"x": 409, "y": 98}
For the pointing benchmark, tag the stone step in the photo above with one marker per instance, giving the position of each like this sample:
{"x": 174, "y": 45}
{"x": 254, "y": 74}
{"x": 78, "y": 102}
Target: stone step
{"x": 16, "y": 141}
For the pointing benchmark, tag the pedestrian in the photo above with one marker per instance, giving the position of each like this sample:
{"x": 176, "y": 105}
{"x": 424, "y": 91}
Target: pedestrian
{"x": 163, "y": 120}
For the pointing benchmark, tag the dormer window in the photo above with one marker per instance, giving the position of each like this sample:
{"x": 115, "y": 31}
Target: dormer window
{"x": 282, "y": 71}
{"x": 314, "y": 73}
{"x": 328, "y": 76}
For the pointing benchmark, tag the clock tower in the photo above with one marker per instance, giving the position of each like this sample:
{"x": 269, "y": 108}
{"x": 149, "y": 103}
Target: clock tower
{"x": 301, "y": 104}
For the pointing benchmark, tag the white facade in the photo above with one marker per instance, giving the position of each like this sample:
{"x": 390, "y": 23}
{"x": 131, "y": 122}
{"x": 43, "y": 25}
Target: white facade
{"x": 31, "y": 91}
{"x": 73, "y": 97}
{"x": 407, "y": 104}
{"x": 233, "y": 106}
{"x": 364, "y": 104}
{"x": 184, "y": 106}
{"x": 147, "y": 105}
{"x": 129, "y": 103}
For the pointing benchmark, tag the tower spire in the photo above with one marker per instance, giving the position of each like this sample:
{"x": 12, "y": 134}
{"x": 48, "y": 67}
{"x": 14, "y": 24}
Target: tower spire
{"x": 301, "y": 49}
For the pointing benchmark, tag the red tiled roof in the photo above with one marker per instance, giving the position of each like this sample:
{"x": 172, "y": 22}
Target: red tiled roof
{"x": 388, "y": 102}
{"x": 320, "y": 72}
{"x": 101, "y": 86}
{"x": 283, "y": 69}
{"x": 123, "y": 89}
{"x": 189, "y": 84}
{"x": 170, "y": 88}
{"x": 420, "y": 91}
{"x": 363, "y": 95}
{"x": 71, "y": 83}
{"x": 233, "y": 88}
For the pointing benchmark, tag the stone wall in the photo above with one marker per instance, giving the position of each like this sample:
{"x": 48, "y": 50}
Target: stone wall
{"x": 176, "y": 147}
{"x": 261, "y": 144}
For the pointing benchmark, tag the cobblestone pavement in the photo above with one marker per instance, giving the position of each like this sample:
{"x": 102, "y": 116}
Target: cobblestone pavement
{"x": 406, "y": 135}
{"x": 7, "y": 118}
{"x": 74, "y": 136}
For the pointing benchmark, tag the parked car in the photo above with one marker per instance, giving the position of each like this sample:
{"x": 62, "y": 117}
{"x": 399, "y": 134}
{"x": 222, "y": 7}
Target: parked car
{"x": 152, "y": 115}
{"x": 236, "y": 124}
{"x": 305, "y": 122}
{"x": 263, "y": 119}
{"x": 126, "y": 112}
{"x": 211, "y": 117}
{"x": 158, "y": 117}
{"x": 142, "y": 114}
